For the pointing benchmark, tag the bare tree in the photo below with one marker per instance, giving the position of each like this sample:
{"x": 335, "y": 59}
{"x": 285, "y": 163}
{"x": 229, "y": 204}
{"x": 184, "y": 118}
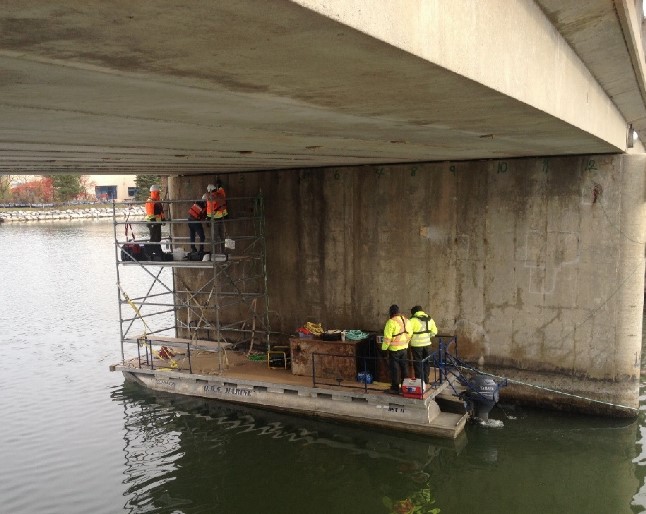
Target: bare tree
{"x": 5, "y": 187}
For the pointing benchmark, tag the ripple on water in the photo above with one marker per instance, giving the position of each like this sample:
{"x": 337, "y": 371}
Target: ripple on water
{"x": 490, "y": 423}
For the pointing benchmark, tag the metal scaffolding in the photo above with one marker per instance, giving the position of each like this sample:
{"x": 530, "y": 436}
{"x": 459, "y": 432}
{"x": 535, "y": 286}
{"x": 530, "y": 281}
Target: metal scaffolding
{"x": 170, "y": 299}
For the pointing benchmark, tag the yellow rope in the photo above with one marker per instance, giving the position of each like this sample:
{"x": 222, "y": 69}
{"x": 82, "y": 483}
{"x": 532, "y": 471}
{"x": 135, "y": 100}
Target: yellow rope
{"x": 314, "y": 328}
{"x": 142, "y": 340}
{"x": 136, "y": 309}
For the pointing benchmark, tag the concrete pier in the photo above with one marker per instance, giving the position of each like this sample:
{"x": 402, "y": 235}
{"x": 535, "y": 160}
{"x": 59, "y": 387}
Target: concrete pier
{"x": 536, "y": 264}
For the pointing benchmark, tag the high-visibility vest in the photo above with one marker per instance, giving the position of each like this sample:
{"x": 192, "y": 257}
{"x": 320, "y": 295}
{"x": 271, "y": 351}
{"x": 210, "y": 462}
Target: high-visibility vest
{"x": 216, "y": 206}
{"x": 196, "y": 212}
{"x": 396, "y": 333}
{"x": 423, "y": 329}
{"x": 150, "y": 211}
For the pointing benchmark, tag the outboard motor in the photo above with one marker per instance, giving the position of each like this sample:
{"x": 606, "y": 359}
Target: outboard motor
{"x": 481, "y": 396}
{"x": 481, "y": 392}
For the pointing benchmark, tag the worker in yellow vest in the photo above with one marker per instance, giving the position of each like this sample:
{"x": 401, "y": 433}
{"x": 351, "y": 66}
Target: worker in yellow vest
{"x": 155, "y": 216}
{"x": 216, "y": 210}
{"x": 397, "y": 333}
{"x": 420, "y": 344}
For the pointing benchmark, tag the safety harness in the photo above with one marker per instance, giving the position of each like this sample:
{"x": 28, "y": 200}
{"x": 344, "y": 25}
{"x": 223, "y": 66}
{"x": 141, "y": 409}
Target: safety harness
{"x": 425, "y": 319}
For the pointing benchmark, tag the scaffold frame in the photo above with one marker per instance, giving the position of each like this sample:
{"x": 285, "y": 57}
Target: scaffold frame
{"x": 211, "y": 304}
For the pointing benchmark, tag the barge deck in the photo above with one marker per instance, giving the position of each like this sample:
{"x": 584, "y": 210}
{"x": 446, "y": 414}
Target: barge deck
{"x": 254, "y": 383}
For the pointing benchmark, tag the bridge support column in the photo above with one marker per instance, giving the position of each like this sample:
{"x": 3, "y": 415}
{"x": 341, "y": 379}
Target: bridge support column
{"x": 559, "y": 259}
{"x": 537, "y": 264}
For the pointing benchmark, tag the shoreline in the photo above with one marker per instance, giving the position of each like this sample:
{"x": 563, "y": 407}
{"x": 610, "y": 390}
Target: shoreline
{"x": 70, "y": 214}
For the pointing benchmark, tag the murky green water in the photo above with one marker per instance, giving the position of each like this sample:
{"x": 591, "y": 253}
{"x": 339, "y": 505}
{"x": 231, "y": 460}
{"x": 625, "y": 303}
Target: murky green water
{"x": 76, "y": 439}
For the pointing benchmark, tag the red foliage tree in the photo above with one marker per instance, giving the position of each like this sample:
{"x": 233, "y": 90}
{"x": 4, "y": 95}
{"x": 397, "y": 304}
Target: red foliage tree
{"x": 34, "y": 191}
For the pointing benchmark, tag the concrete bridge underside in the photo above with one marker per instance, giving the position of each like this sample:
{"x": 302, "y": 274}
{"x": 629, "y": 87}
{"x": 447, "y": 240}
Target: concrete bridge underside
{"x": 470, "y": 156}
{"x": 164, "y": 87}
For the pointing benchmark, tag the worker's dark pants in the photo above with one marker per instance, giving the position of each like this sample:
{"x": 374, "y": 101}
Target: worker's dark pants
{"x": 195, "y": 227}
{"x": 398, "y": 361}
{"x": 422, "y": 369}
{"x": 155, "y": 230}
{"x": 218, "y": 233}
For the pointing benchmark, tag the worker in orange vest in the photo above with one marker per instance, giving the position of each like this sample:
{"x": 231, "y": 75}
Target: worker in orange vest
{"x": 197, "y": 214}
{"x": 397, "y": 334}
{"x": 216, "y": 209}
{"x": 155, "y": 216}
{"x": 217, "y": 206}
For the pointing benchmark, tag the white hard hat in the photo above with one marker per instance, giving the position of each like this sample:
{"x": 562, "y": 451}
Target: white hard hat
{"x": 154, "y": 187}
{"x": 210, "y": 188}
{"x": 204, "y": 196}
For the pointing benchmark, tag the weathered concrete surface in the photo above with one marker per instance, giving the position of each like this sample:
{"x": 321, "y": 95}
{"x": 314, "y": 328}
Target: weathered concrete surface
{"x": 509, "y": 46}
{"x": 608, "y": 39}
{"x": 102, "y": 86}
{"x": 536, "y": 264}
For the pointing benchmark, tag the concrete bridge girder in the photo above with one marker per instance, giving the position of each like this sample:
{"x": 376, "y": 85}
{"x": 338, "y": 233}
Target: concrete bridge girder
{"x": 162, "y": 88}
{"x": 608, "y": 39}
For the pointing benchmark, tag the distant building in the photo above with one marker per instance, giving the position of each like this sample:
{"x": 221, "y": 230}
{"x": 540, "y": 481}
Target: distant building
{"x": 112, "y": 187}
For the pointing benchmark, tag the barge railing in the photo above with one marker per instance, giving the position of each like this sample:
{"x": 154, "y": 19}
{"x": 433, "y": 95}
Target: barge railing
{"x": 438, "y": 363}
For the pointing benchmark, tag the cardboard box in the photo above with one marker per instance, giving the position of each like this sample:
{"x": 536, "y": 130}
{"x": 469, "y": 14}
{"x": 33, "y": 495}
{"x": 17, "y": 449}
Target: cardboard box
{"x": 413, "y": 388}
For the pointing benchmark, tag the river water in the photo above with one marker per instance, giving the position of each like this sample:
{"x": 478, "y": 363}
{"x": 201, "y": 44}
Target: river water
{"x": 77, "y": 439}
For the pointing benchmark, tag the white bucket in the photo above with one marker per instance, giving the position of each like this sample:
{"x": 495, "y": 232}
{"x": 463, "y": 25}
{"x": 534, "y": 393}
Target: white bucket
{"x": 178, "y": 254}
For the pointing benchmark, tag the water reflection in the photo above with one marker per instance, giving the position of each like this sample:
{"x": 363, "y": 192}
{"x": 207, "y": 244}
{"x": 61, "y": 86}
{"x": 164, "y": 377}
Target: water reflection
{"x": 639, "y": 499}
{"x": 546, "y": 462}
{"x": 202, "y": 456}
{"x": 195, "y": 455}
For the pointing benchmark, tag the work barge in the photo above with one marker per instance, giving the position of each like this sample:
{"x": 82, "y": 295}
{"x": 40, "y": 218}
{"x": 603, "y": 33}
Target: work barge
{"x": 198, "y": 324}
